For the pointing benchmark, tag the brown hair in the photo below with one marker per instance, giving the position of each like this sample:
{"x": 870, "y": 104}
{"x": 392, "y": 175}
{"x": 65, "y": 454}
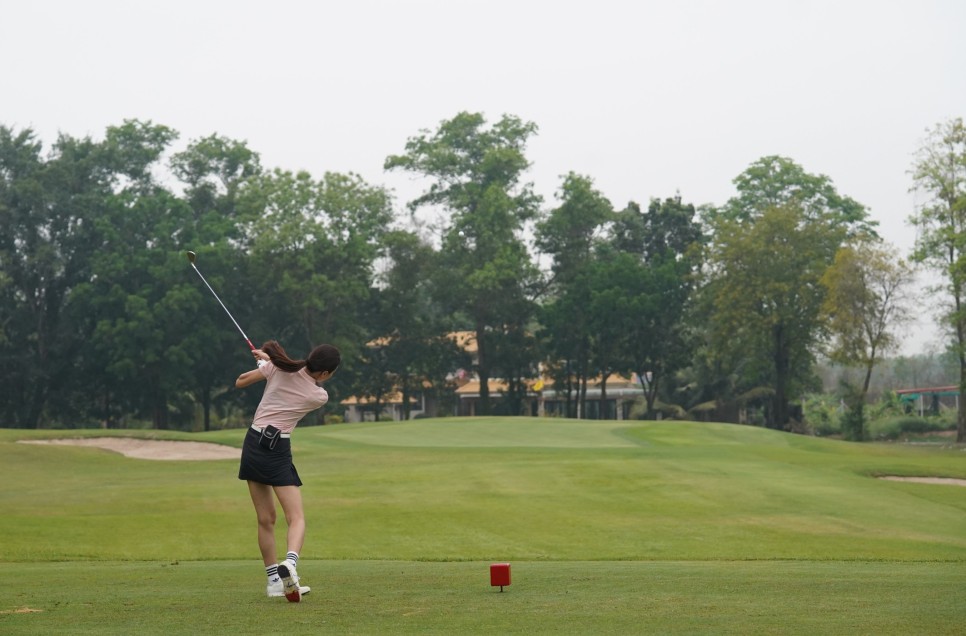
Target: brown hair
{"x": 323, "y": 358}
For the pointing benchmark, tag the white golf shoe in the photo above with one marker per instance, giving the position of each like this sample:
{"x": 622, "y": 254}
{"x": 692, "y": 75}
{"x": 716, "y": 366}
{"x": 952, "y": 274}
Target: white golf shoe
{"x": 290, "y": 582}
{"x": 277, "y": 588}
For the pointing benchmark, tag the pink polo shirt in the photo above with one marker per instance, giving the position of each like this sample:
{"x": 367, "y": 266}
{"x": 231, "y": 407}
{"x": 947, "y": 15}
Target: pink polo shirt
{"x": 288, "y": 397}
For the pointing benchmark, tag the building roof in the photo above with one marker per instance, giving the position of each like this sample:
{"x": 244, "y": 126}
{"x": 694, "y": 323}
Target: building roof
{"x": 943, "y": 390}
{"x": 615, "y": 383}
{"x": 465, "y": 340}
{"x": 389, "y": 398}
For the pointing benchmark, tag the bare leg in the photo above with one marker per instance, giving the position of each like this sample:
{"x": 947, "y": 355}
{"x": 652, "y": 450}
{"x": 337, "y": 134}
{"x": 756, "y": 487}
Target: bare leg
{"x": 291, "y": 499}
{"x": 265, "y": 511}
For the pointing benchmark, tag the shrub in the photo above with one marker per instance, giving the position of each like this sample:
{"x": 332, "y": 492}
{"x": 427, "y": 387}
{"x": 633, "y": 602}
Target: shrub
{"x": 889, "y": 405}
{"x": 891, "y": 428}
{"x": 662, "y": 410}
{"x": 822, "y": 413}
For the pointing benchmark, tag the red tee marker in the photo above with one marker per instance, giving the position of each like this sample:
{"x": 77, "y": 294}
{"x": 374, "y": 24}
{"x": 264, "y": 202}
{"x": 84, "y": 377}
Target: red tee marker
{"x": 500, "y": 575}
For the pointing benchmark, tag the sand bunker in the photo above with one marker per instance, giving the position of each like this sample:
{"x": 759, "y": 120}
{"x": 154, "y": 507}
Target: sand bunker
{"x": 150, "y": 448}
{"x": 949, "y": 481}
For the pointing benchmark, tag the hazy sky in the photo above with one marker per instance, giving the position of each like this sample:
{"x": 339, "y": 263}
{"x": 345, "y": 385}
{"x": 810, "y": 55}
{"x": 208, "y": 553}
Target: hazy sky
{"x": 646, "y": 98}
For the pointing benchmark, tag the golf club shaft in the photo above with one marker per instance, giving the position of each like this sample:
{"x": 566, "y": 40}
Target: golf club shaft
{"x": 223, "y": 307}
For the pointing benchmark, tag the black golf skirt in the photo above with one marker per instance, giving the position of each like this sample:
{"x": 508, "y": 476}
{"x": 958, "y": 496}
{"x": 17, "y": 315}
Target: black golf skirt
{"x": 272, "y": 467}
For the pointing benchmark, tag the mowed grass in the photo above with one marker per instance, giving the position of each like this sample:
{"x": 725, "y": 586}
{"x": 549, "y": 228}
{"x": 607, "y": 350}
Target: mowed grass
{"x": 565, "y": 597}
{"x": 610, "y": 527}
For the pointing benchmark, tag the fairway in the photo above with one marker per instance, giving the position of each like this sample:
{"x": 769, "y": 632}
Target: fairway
{"x": 678, "y": 527}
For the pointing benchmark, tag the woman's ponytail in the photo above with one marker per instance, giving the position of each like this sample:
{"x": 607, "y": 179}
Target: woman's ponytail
{"x": 280, "y": 359}
{"x": 323, "y": 358}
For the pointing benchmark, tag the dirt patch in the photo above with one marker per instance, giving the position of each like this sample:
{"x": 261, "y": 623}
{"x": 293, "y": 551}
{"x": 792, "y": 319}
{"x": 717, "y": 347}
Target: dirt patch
{"x": 149, "y": 448}
{"x": 949, "y": 481}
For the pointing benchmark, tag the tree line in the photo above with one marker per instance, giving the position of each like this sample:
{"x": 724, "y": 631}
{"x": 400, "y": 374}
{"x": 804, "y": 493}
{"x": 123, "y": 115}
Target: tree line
{"x": 713, "y": 308}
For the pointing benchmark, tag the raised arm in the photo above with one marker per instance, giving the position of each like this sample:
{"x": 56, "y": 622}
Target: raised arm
{"x": 255, "y": 375}
{"x": 248, "y": 378}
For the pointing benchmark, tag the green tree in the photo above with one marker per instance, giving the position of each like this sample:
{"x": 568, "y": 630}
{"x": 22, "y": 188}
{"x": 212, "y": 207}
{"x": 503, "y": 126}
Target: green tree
{"x": 163, "y": 339}
{"x": 311, "y": 248}
{"x": 569, "y": 235}
{"x": 485, "y": 269}
{"x": 766, "y": 295}
{"x": 44, "y": 204}
{"x": 775, "y": 181}
{"x": 769, "y": 247}
{"x": 373, "y": 378}
{"x": 611, "y": 286}
{"x": 664, "y": 242}
{"x": 145, "y": 302}
{"x": 867, "y": 299}
{"x": 939, "y": 174}
{"x": 414, "y": 355}
{"x": 214, "y": 171}
{"x": 571, "y": 230}
{"x": 565, "y": 344}
{"x": 56, "y": 211}
{"x": 516, "y": 351}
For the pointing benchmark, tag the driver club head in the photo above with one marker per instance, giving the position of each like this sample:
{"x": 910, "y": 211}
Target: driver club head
{"x": 191, "y": 257}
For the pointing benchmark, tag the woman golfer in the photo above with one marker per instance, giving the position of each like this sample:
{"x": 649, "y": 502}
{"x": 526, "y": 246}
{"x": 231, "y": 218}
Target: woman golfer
{"x": 292, "y": 390}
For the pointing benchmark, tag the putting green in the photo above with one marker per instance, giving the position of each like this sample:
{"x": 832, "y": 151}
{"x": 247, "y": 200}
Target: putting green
{"x": 489, "y": 433}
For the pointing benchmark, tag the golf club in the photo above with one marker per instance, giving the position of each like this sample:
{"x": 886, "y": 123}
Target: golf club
{"x": 191, "y": 259}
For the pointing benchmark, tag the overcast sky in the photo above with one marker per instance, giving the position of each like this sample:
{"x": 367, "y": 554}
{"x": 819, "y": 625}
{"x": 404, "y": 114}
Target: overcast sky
{"x": 646, "y": 98}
